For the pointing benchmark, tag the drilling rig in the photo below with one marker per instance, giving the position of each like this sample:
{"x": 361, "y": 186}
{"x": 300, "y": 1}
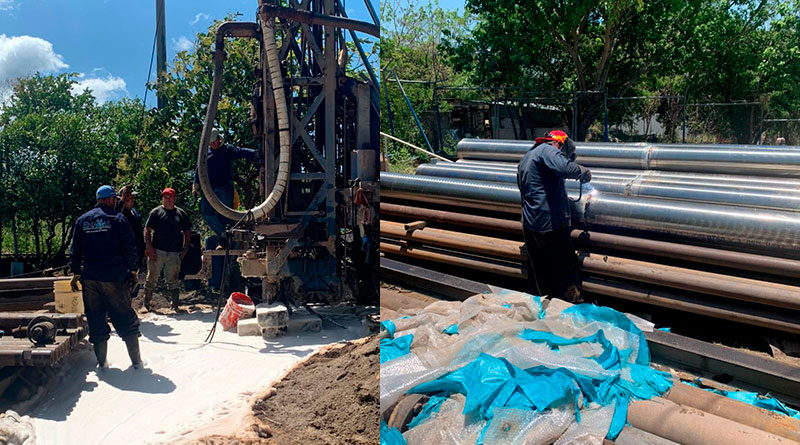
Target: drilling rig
{"x": 314, "y": 236}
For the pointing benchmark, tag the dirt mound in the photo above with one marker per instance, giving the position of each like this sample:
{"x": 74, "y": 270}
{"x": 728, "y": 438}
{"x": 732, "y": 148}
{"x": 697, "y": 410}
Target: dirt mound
{"x": 332, "y": 398}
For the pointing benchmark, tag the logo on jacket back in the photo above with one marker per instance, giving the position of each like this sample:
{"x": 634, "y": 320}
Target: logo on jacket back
{"x": 96, "y": 226}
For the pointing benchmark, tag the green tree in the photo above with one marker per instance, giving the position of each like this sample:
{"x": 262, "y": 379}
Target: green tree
{"x": 712, "y": 50}
{"x": 411, "y": 35}
{"x": 167, "y": 152}
{"x": 57, "y": 148}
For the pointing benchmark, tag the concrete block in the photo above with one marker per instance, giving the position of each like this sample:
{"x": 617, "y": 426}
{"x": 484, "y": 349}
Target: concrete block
{"x": 273, "y": 315}
{"x": 268, "y": 333}
{"x": 248, "y": 326}
{"x": 304, "y": 322}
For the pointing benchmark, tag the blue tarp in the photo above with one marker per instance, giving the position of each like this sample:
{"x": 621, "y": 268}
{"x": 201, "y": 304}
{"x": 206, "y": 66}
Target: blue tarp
{"x": 391, "y": 436}
{"x": 489, "y": 382}
{"x": 755, "y": 399}
{"x": 391, "y": 348}
{"x": 431, "y": 406}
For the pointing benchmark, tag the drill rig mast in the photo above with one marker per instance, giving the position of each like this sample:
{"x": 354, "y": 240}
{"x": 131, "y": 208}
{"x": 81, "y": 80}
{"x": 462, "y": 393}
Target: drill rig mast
{"x": 314, "y": 236}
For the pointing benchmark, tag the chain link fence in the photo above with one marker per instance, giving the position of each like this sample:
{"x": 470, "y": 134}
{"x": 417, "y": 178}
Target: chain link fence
{"x": 507, "y": 113}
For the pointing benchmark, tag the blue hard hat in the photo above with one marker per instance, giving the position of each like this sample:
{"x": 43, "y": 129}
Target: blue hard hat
{"x": 106, "y": 191}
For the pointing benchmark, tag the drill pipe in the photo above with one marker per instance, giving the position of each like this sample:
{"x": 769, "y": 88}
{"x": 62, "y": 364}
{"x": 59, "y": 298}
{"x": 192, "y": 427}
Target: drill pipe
{"x": 724, "y": 310}
{"x": 458, "y": 219}
{"x": 764, "y": 229}
{"x": 438, "y": 257}
{"x": 690, "y": 426}
{"x": 727, "y": 194}
{"x": 735, "y": 410}
{"x": 704, "y": 255}
{"x": 625, "y": 291}
{"x": 726, "y": 286}
{"x": 752, "y": 161}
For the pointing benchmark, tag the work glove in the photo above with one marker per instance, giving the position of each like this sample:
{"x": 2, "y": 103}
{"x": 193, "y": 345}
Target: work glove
{"x": 151, "y": 253}
{"x": 73, "y": 283}
{"x": 586, "y": 174}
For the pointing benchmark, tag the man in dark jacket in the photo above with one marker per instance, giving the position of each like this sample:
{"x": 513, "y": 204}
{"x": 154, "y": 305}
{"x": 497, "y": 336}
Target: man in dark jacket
{"x": 220, "y": 175}
{"x": 103, "y": 258}
{"x": 546, "y": 216}
{"x": 127, "y": 201}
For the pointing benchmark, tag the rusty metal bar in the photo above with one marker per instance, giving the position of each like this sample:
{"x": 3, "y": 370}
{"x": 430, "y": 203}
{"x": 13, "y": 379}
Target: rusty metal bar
{"x": 705, "y": 255}
{"x": 670, "y": 300}
{"x": 727, "y": 286}
{"x": 428, "y": 255}
{"x": 457, "y": 219}
{"x": 482, "y": 245}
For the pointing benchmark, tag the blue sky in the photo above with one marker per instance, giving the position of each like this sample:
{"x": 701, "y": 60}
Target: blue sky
{"x": 108, "y": 42}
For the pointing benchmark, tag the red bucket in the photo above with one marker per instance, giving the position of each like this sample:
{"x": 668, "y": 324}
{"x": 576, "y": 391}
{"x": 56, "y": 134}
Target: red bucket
{"x": 238, "y": 306}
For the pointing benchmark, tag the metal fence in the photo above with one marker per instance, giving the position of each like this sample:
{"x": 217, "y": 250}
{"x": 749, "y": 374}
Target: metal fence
{"x": 507, "y": 113}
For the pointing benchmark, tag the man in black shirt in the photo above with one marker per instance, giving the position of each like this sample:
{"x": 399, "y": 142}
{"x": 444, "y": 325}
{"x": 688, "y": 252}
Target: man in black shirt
{"x": 166, "y": 237}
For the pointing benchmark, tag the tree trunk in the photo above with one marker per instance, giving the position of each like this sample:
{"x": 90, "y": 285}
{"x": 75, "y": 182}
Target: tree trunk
{"x": 15, "y": 237}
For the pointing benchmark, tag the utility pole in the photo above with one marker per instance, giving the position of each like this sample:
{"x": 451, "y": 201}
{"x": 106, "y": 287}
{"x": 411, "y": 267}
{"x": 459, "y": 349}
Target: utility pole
{"x": 161, "y": 51}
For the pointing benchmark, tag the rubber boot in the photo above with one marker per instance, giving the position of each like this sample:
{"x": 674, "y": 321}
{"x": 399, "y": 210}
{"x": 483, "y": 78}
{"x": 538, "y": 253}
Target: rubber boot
{"x": 101, "y": 352}
{"x": 175, "y": 294}
{"x": 148, "y": 297}
{"x": 132, "y": 343}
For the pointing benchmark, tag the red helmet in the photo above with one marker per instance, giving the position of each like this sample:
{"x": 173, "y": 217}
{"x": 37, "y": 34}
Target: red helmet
{"x": 553, "y": 136}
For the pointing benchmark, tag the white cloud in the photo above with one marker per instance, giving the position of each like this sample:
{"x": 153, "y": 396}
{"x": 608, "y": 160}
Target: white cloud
{"x": 197, "y": 17}
{"x": 183, "y": 44}
{"x": 102, "y": 89}
{"x": 6, "y": 5}
{"x": 22, "y": 56}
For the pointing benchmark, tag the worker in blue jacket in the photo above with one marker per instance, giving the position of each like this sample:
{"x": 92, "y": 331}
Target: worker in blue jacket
{"x": 220, "y": 175}
{"x": 541, "y": 173}
{"x": 103, "y": 258}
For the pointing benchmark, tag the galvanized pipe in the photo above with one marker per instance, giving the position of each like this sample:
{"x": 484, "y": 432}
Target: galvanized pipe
{"x": 705, "y": 255}
{"x": 735, "y": 410}
{"x": 727, "y": 194}
{"x": 508, "y": 173}
{"x": 764, "y": 229}
{"x": 752, "y": 161}
{"x": 690, "y": 426}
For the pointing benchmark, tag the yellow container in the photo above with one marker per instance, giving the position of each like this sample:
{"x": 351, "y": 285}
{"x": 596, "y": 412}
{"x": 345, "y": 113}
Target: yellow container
{"x": 67, "y": 301}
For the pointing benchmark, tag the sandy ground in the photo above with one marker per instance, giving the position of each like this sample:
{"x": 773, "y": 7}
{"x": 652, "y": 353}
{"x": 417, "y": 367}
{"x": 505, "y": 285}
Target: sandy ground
{"x": 186, "y": 384}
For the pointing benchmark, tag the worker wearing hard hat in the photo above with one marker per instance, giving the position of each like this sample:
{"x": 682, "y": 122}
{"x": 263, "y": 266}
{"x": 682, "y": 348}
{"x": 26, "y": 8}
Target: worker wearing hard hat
{"x": 220, "y": 175}
{"x": 553, "y": 265}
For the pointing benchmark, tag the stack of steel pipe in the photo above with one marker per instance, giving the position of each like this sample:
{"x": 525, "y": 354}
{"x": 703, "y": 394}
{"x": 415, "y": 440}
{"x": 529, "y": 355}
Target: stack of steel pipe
{"x": 694, "y": 230}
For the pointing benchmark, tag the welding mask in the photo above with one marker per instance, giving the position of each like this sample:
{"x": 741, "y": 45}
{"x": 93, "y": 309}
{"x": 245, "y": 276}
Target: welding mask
{"x": 569, "y": 149}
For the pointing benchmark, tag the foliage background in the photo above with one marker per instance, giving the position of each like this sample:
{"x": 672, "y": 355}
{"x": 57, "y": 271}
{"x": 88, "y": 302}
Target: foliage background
{"x": 709, "y": 51}
{"x": 57, "y": 148}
